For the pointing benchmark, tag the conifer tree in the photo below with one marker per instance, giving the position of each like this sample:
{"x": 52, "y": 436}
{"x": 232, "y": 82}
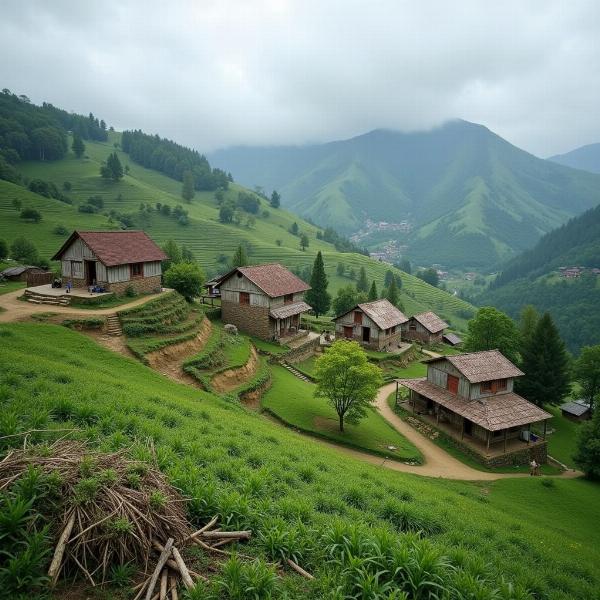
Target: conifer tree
{"x": 187, "y": 191}
{"x": 545, "y": 363}
{"x": 304, "y": 242}
{"x": 373, "y": 295}
{"x": 240, "y": 258}
{"x": 317, "y": 296}
{"x": 529, "y": 320}
{"x": 392, "y": 293}
{"x": 362, "y": 285}
{"x": 78, "y": 146}
{"x": 275, "y": 199}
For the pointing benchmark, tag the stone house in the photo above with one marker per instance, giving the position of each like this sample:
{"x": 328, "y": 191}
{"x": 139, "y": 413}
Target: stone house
{"x": 266, "y": 301}
{"x": 114, "y": 260}
{"x": 470, "y": 397}
{"x": 425, "y": 327}
{"x": 375, "y": 325}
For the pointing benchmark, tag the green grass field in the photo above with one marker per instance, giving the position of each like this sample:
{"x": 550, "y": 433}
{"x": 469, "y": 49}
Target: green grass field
{"x": 11, "y": 286}
{"x": 210, "y": 241}
{"x": 345, "y": 520}
{"x": 562, "y": 443}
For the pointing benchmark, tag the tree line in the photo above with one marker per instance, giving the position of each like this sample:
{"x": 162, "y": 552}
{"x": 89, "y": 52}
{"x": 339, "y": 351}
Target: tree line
{"x": 173, "y": 160}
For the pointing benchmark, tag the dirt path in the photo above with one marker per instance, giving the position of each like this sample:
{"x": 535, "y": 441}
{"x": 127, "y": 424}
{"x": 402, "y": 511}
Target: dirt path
{"x": 232, "y": 378}
{"x": 168, "y": 360}
{"x": 17, "y": 310}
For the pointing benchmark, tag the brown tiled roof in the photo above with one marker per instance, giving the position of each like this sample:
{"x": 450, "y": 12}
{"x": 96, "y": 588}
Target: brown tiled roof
{"x": 431, "y": 321}
{"x": 117, "y": 247}
{"x": 287, "y": 310}
{"x": 273, "y": 279}
{"x": 492, "y": 413}
{"x": 482, "y": 366}
{"x": 452, "y": 338}
{"x": 383, "y": 313}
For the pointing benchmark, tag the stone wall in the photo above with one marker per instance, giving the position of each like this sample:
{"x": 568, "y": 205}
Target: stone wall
{"x": 249, "y": 319}
{"x": 303, "y": 352}
{"x": 141, "y": 285}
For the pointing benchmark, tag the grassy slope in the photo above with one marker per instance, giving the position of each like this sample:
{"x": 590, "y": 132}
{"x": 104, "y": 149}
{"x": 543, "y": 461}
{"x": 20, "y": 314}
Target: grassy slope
{"x": 255, "y": 474}
{"x": 562, "y": 442}
{"x": 291, "y": 399}
{"x": 205, "y": 236}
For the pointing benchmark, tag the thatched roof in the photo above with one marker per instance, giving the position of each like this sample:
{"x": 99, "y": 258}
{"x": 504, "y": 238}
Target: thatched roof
{"x": 492, "y": 413}
{"x": 486, "y": 365}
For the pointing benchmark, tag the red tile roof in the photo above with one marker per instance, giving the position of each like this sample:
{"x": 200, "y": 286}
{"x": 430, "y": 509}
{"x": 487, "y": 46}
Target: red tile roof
{"x": 273, "y": 279}
{"x": 492, "y": 413}
{"x": 116, "y": 247}
{"x": 482, "y": 366}
{"x": 431, "y": 321}
{"x": 382, "y": 312}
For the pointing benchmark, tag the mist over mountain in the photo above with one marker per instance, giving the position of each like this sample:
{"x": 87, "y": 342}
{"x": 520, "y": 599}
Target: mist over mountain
{"x": 470, "y": 198}
{"x": 586, "y": 158}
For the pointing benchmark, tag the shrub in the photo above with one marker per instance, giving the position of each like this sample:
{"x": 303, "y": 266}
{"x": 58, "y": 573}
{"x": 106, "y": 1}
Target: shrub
{"x": 130, "y": 292}
{"x": 60, "y": 230}
{"x": 24, "y": 250}
{"x": 186, "y": 278}
{"x": 31, "y": 214}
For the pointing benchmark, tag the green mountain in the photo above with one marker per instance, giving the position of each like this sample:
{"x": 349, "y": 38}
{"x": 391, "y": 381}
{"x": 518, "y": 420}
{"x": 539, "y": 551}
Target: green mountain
{"x": 135, "y": 200}
{"x": 586, "y": 158}
{"x": 471, "y": 197}
{"x": 534, "y": 278}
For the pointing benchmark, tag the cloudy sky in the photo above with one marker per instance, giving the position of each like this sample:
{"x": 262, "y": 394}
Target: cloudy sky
{"x": 211, "y": 73}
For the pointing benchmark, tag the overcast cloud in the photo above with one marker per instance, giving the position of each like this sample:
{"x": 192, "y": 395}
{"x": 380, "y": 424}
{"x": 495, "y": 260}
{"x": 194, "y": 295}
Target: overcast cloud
{"x": 222, "y": 72}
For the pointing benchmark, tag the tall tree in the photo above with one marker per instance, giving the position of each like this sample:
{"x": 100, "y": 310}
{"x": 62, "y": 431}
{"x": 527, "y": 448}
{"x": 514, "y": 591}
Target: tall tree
{"x": 587, "y": 455}
{"x": 171, "y": 249}
{"x": 373, "y": 295}
{"x": 275, "y": 199}
{"x": 345, "y": 299}
{"x": 491, "y": 329}
{"x": 112, "y": 169}
{"x": 389, "y": 275}
{"x": 304, "y": 241}
{"x": 586, "y": 372}
{"x": 317, "y": 296}
{"x": 187, "y": 189}
{"x": 347, "y": 380}
{"x": 545, "y": 364}
{"x": 528, "y": 322}
{"x": 240, "y": 258}
{"x": 392, "y": 293}
{"x": 362, "y": 285}
{"x": 78, "y": 146}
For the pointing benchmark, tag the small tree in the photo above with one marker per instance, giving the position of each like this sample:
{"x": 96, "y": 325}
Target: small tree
{"x": 373, "y": 295}
{"x": 226, "y": 212}
{"x": 171, "y": 249}
{"x": 112, "y": 169}
{"x": 586, "y": 372}
{"x": 294, "y": 229}
{"x": 545, "y": 364}
{"x": 3, "y": 249}
{"x": 392, "y": 293}
{"x": 345, "y": 299}
{"x": 587, "y": 455}
{"x": 275, "y": 199}
{"x": 187, "y": 190}
{"x": 240, "y": 258}
{"x": 389, "y": 276}
{"x": 186, "y": 278}
{"x": 304, "y": 242}
{"x": 24, "y": 251}
{"x": 340, "y": 269}
{"x": 347, "y": 380}
{"x": 31, "y": 214}
{"x": 430, "y": 276}
{"x": 78, "y": 146}
{"x": 317, "y": 296}
{"x": 362, "y": 285}
{"x": 405, "y": 266}
{"x": 492, "y": 329}
{"x": 17, "y": 204}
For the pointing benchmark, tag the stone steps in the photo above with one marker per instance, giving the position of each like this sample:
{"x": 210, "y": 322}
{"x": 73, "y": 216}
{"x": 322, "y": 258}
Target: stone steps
{"x": 295, "y": 372}
{"x": 50, "y": 300}
{"x": 113, "y": 325}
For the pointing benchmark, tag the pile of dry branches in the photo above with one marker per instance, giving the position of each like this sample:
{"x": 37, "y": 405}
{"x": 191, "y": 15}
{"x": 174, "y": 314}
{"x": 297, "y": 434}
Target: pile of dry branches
{"x": 113, "y": 510}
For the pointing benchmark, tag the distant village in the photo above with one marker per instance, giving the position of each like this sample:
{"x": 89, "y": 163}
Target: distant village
{"x": 574, "y": 272}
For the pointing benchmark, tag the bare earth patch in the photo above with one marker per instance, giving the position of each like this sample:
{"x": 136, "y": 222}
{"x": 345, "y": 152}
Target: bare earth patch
{"x": 232, "y": 378}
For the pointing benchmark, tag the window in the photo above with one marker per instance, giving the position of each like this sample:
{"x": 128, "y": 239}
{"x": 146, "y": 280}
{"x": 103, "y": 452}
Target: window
{"x": 393, "y": 329}
{"x": 501, "y": 384}
{"x": 491, "y": 387}
{"x": 288, "y": 298}
{"x": 412, "y": 326}
{"x": 136, "y": 270}
{"x": 244, "y": 298}
{"x": 358, "y": 318}
{"x": 487, "y": 387}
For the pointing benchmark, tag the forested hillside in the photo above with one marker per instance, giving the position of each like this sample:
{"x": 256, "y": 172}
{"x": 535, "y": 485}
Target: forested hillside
{"x": 586, "y": 158}
{"x": 470, "y": 197}
{"x": 533, "y": 278}
{"x": 71, "y": 193}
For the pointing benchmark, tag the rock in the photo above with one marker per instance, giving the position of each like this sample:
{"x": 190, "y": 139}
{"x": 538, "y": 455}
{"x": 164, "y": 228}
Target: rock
{"x": 232, "y": 329}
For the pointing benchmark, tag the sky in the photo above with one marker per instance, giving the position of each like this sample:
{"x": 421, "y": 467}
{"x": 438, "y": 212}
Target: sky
{"x": 215, "y": 73}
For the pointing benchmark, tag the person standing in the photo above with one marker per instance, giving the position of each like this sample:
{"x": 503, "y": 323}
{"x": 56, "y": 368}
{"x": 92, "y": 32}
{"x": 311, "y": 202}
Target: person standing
{"x": 69, "y": 286}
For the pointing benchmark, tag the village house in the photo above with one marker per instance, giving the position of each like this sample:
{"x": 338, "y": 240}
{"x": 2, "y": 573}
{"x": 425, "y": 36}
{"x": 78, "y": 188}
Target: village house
{"x": 22, "y": 272}
{"x": 470, "y": 398}
{"x": 263, "y": 300}
{"x": 376, "y": 325}
{"x": 425, "y": 327}
{"x": 576, "y": 410}
{"x": 112, "y": 260}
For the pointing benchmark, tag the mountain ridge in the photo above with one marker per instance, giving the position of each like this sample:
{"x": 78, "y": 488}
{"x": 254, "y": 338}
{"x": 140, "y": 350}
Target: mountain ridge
{"x": 425, "y": 178}
{"x": 586, "y": 158}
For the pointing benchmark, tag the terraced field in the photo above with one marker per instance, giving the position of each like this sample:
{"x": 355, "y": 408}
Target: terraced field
{"x": 211, "y": 241}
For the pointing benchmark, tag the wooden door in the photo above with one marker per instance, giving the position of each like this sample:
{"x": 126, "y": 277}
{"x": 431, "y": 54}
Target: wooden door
{"x": 358, "y": 317}
{"x": 452, "y": 385}
{"x": 366, "y": 334}
{"x": 348, "y": 332}
{"x": 468, "y": 427}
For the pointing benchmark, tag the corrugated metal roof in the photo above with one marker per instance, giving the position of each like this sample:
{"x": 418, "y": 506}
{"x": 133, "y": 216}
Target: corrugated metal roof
{"x": 117, "y": 247}
{"x": 493, "y": 413}
{"x": 486, "y": 365}
{"x": 288, "y": 310}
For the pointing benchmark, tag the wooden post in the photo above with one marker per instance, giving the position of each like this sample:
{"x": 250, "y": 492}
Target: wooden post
{"x": 545, "y": 426}
{"x": 505, "y": 433}
{"x": 528, "y": 433}
{"x": 414, "y": 402}
{"x": 462, "y": 429}
{"x": 488, "y": 440}
{"x": 437, "y": 414}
